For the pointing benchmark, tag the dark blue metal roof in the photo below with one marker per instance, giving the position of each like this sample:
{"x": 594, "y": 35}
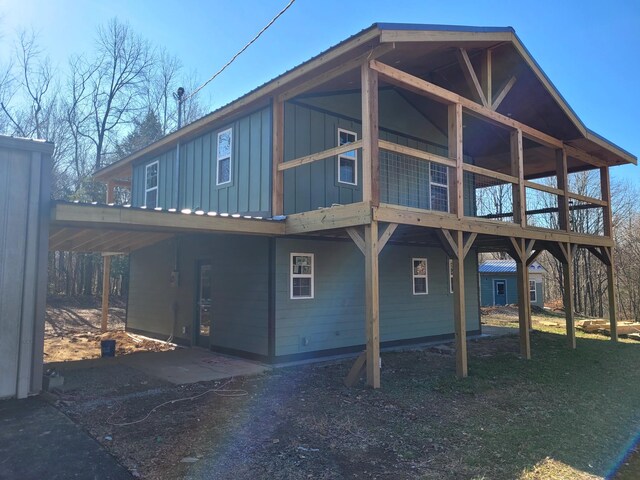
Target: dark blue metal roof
{"x": 506, "y": 266}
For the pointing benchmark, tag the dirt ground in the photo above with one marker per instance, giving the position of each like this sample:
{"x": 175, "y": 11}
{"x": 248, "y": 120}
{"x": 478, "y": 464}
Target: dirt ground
{"x": 72, "y": 331}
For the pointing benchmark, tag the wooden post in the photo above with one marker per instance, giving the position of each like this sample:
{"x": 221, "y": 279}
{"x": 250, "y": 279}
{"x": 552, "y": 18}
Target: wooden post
{"x": 611, "y": 289}
{"x": 372, "y": 306}
{"x": 605, "y": 189}
{"x": 524, "y": 304}
{"x": 563, "y": 184}
{"x": 517, "y": 170}
{"x": 370, "y": 149}
{"x": 567, "y": 272}
{"x": 106, "y": 275}
{"x": 277, "y": 204}
{"x": 459, "y": 318}
{"x": 456, "y": 153}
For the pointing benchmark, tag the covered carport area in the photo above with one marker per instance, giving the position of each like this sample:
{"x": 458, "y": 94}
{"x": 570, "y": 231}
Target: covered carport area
{"x": 121, "y": 229}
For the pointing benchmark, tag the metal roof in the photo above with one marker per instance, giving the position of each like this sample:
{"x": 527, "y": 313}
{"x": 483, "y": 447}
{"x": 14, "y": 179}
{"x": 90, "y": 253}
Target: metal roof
{"x": 507, "y": 266}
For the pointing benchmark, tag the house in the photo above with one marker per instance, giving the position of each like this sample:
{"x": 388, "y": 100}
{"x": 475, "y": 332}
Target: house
{"x": 341, "y": 206}
{"x": 498, "y": 283}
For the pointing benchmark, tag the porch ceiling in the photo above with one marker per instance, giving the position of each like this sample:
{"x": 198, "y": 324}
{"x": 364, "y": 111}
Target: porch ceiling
{"x": 85, "y": 227}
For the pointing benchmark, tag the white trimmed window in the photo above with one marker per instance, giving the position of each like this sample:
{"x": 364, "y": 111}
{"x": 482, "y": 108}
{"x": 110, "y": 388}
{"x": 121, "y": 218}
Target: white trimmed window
{"x": 348, "y": 161}
{"x": 439, "y": 187}
{"x": 223, "y": 156}
{"x": 450, "y": 276}
{"x": 301, "y": 275}
{"x": 151, "y": 185}
{"x": 419, "y": 273}
{"x": 533, "y": 294}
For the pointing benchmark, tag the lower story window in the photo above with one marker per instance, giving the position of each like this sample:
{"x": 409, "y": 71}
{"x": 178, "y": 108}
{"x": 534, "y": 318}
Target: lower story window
{"x": 419, "y": 273}
{"x": 301, "y": 269}
{"x": 532, "y": 291}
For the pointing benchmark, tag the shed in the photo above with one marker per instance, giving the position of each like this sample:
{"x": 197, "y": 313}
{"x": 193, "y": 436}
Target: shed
{"x": 498, "y": 283}
{"x": 24, "y": 232}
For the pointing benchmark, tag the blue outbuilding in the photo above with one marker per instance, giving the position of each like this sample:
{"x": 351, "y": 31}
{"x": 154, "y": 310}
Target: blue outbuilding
{"x": 498, "y": 283}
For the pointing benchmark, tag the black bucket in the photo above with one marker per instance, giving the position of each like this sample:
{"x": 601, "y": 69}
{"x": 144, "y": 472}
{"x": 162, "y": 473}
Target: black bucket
{"x": 108, "y": 348}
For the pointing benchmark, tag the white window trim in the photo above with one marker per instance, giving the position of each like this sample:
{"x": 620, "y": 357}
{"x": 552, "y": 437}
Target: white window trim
{"x": 147, "y": 190}
{"x": 302, "y": 275}
{"x": 425, "y": 276}
{"x": 347, "y": 157}
{"x": 535, "y": 291}
{"x": 443, "y": 185}
{"x": 218, "y": 159}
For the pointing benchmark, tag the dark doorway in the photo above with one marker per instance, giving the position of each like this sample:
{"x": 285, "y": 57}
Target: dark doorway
{"x": 203, "y": 320}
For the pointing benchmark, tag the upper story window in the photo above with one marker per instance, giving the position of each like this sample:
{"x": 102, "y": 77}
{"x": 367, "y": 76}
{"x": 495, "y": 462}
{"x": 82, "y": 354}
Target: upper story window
{"x": 301, "y": 275}
{"x": 439, "y": 187}
{"x": 419, "y": 273}
{"x": 151, "y": 185}
{"x": 223, "y": 156}
{"x": 347, "y": 162}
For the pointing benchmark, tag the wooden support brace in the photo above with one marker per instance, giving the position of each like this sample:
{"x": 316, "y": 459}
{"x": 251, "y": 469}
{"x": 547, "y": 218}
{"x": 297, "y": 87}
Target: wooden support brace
{"x": 386, "y": 235}
{"x": 533, "y": 257}
{"x": 503, "y": 92}
{"x": 471, "y": 77}
{"x": 469, "y": 243}
{"x": 357, "y": 238}
{"x": 356, "y": 370}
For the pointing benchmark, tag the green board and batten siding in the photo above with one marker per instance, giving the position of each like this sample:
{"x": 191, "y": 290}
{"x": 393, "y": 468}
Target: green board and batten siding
{"x": 334, "y": 318}
{"x": 248, "y": 192}
{"x": 240, "y": 289}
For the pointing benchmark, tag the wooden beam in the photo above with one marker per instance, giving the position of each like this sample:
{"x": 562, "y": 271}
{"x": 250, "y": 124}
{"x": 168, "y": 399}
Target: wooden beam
{"x": 456, "y": 152}
{"x": 106, "y": 276}
{"x": 370, "y": 150}
{"x": 413, "y": 152}
{"x": 459, "y": 313}
{"x": 611, "y": 290}
{"x": 340, "y": 216}
{"x": 467, "y": 167}
{"x": 99, "y": 216}
{"x": 314, "y": 157}
{"x": 543, "y": 188}
{"x": 424, "y": 218}
{"x": 506, "y": 88}
{"x": 469, "y": 243}
{"x": 356, "y": 370}
{"x": 584, "y": 156}
{"x": 533, "y": 257}
{"x": 563, "y": 184}
{"x": 471, "y": 77}
{"x": 517, "y": 170}
{"x": 422, "y": 87}
{"x": 357, "y": 238}
{"x": 372, "y": 304}
{"x": 567, "y": 274}
{"x": 586, "y": 199}
{"x": 386, "y": 235}
{"x": 277, "y": 140}
{"x": 486, "y": 74}
{"x": 600, "y": 255}
{"x": 337, "y": 71}
{"x": 522, "y": 272}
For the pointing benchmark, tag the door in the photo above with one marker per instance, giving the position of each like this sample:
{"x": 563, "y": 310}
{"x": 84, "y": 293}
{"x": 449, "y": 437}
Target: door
{"x": 499, "y": 292}
{"x": 203, "y": 320}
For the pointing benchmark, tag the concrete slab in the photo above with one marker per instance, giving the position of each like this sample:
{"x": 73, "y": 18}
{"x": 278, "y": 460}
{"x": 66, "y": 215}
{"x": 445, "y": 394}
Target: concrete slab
{"x": 38, "y": 441}
{"x": 497, "y": 331}
{"x": 191, "y": 365}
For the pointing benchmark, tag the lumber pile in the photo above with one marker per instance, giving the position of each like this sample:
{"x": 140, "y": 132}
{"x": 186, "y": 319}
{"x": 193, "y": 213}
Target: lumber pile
{"x": 602, "y": 326}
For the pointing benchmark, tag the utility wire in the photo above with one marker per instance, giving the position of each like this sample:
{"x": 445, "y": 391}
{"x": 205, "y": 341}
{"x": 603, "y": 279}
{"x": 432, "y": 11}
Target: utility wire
{"x": 240, "y": 51}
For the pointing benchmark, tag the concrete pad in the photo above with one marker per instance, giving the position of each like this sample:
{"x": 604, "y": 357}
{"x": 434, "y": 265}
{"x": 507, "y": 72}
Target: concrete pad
{"x": 497, "y": 331}
{"x": 38, "y": 441}
{"x": 191, "y": 365}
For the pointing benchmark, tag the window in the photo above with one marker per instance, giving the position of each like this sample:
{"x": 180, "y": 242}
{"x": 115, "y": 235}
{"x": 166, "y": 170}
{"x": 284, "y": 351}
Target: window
{"x": 450, "y": 276}
{"x": 223, "y": 155}
{"x": 301, "y": 275}
{"x": 151, "y": 185}
{"x": 439, "y": 188}
{"x": 532, "y": 291}
{"x": 419, "y": 272}
{"x": 347, "y": 162}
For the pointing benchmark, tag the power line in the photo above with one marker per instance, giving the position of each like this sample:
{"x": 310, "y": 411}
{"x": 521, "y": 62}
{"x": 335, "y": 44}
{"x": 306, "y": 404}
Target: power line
{"x": 240, "y": 51}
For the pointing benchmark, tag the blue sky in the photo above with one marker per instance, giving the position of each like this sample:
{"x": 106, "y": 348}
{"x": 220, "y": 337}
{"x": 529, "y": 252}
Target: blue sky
{"x": 588, "y": 48}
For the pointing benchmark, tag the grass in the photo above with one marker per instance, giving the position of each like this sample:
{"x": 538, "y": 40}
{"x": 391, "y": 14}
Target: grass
{"x": 563, "y": 414}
